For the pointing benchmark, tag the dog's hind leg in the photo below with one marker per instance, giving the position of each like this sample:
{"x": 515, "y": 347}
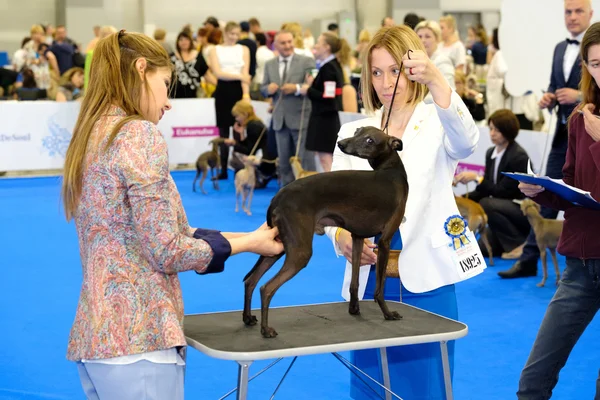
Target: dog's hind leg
{"x": 383, "y": 254}
{"x": 248, "y": 211}
{"x": 543, "y": 257}
{"x": 198, "y": 171}
{"x": 204, "y": 172}
{"x": 555, "y": 261}
{"x": 357, "y": 248}
{"x": 486, "y": 243}
{"x": 296, "y": 258}
{"x": 251, "y": 280}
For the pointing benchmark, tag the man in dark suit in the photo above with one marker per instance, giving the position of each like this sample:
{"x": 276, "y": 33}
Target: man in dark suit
{"x": 496, "y": 192}
{"x": 284, "y": 76}
{"x": 562, "y": 97}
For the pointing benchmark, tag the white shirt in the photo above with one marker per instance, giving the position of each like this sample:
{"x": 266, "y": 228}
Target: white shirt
{"x": 498, "y": 157}
{"x": 571, "y": 54}
{"x": 263, "y": 54}
{"x": 166, "y": 356}
{"x": 283, "y": 65}
{"x": 456, "y": 52}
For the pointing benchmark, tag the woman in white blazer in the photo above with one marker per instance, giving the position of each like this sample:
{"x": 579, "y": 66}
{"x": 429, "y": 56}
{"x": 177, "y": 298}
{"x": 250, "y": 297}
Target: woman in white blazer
{"x": 435, "y": 137}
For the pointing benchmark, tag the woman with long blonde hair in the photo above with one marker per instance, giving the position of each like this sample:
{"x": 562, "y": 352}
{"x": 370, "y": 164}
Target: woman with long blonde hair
{"x": 134, "y": 238}
{"x": 397, "y": 75}
{"x": 451, "y": 45}
{"x": 230, "y": 64}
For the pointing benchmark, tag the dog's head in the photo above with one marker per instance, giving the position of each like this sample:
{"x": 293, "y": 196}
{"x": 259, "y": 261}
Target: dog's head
{"x": 252, "y": 161}
{"x": 217, "y": 141}
{"x": 370, "y": 143}
{"x": 528, "y": 203}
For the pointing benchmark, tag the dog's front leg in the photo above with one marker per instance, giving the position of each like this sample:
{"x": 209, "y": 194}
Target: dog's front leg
{"x": 357, "y": 247}
{"x": 383, "y": 253}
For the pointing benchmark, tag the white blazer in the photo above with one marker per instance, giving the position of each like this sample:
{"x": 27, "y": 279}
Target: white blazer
{"x": 433, "y": 142}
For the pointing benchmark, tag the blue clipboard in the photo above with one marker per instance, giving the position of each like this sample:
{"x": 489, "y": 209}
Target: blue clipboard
{"x": 572, "y": 194}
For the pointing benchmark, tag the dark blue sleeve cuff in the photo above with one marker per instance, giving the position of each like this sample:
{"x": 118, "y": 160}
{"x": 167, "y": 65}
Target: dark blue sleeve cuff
{"x": 220, "y": 247}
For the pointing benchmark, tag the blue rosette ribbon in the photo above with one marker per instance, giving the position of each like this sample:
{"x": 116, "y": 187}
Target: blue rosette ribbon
{"x": 456, "y": 227}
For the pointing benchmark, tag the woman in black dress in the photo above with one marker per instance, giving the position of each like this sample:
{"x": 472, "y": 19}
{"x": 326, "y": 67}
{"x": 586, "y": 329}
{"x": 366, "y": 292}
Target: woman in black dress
{"x": 190, "y": 67}
{"x": 230, "y": 63}
{"x": 325, "y": 94}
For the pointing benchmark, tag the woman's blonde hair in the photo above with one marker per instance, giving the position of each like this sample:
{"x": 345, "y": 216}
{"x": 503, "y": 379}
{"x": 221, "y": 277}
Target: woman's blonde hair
{"x": 396, "y": 40}
{"x": 114, "y": 81}
{"x": 296, "y": 30}
{"x": 364, "y": 36}
{"x": 37, "y": 29}
{"x": 231, "y": 25}
{"x": 65, "y": 78}
{"x": 450, "y": 21}
{"x": 243, "y": 107}
{"x": 433, "y": 26}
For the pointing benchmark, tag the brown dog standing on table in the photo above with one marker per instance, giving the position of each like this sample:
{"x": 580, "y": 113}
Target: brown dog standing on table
{"x": 208, "y": 159}
{"x": 245, "y": 181}
{"x": 299, "y": 172}
{"x": 351, "y": 200}
{"x": 476, "y": 219}
{"x": 547, "y": 232}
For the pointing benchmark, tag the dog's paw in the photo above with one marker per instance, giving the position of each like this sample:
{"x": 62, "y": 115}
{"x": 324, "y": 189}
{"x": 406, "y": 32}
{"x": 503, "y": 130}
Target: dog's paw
{"x": 250, "y": 320}
{"x": 354, "y": 309}
{"x": 541, "y": 284}
{"x": 393, "y": 316}
{"x": 268, "y": 332}
{"x": 249, "y": 212}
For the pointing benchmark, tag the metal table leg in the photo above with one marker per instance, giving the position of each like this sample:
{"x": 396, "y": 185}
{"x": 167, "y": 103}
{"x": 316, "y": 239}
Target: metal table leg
{"x": 243, "y": 370}
{"x": 446, "y": 366}
{"x": 385, "y": 372}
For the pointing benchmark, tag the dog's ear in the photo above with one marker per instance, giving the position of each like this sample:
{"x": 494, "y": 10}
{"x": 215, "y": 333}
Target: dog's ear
{"x": 395, "y": 143}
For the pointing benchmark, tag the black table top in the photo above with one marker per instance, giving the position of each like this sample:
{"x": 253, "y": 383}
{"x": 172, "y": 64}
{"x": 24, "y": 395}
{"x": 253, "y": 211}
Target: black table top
{"x": 315, "y": 329}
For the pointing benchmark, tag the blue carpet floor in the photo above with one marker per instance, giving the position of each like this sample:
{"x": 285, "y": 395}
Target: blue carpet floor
{"x": 42, "y": 277}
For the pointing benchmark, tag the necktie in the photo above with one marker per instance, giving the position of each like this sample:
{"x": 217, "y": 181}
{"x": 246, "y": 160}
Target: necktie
{"x": 573, "y": 41}
{"x": 284, "y": 76}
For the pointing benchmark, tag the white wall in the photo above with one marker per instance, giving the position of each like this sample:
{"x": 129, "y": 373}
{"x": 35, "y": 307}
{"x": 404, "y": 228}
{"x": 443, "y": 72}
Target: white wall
{"x": 172, "y": 15}
{"x": 16, "y": 18}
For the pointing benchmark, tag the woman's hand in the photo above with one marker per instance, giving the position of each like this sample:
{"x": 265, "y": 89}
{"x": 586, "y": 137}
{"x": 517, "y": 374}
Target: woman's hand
{"x": 466, "y": 177}
{"x": 592, "y": 123}
{"x": 264, "y": 241}
{"x": 530, "y": 190}
{"x": 367, "y": 257}
{"x": 419, "y": 68}
{"x": 246, "y": 78}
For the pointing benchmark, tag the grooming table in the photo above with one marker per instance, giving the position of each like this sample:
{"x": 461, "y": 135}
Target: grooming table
{"x": 316, "y": 329}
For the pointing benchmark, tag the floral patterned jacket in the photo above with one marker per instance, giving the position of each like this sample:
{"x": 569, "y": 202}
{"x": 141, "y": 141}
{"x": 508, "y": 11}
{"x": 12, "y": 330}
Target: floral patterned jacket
{"x": 134, "y": 238}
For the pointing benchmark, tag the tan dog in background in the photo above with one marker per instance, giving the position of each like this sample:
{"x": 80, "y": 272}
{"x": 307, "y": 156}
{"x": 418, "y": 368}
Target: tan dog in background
{"x": 299, "y": 172}
{"x": 547, "y": 233}
{"x": 476, "y": 219}
{"x": 245, "y": 181}
{"x": 208, "y": 159}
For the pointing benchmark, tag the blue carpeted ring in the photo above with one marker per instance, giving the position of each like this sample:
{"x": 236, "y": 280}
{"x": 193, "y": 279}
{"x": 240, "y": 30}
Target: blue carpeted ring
{"x": 41, "y": 278}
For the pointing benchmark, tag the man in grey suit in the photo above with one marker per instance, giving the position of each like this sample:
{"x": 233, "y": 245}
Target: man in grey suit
{"x": 284, "y": 76}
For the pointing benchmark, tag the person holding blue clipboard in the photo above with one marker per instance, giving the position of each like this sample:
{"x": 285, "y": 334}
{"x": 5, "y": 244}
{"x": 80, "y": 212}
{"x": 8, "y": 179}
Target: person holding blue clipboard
{"x": 577, "y": 298}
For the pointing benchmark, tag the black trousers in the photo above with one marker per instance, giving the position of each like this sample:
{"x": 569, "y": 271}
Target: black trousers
{"x": 508, "y": 227}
